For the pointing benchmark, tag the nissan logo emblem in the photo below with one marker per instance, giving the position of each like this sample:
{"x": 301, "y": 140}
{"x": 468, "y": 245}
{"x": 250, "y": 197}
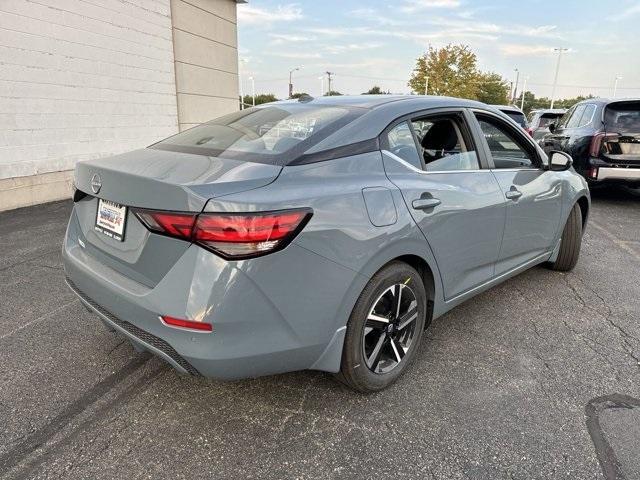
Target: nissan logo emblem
{"x": 96, "y": 183}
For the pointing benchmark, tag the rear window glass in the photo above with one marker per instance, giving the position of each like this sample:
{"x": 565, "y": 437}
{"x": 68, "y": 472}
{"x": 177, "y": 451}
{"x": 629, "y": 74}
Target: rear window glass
{"x": 274, "y": 134}
{"x": 623, "y": 117}
{"x": 548, "y": 118}
{"x": 518, "y": 117}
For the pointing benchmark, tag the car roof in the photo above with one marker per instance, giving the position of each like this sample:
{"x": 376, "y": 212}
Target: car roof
{"x": 374, "y": 101}
{"x": 508, "y": 108}
{"x": 549, "y": 110}
{"x": 608, "y": 101}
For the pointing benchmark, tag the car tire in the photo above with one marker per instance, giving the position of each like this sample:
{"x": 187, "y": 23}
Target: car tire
{"x": 366, "y": 328}
{"x": 570, "y": 243}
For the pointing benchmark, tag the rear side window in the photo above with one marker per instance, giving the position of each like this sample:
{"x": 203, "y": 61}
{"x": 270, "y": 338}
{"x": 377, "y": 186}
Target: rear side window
{"x": 443, "y": 145}
{"x": 402, "y": 144}
{"x": 622, "y": 117}
{"x": 273, "y": 134}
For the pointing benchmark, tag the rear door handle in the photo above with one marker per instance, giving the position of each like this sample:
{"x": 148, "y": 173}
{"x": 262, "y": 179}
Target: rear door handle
{"x": 425, "y": 203}
{"x": 513, "y": 194}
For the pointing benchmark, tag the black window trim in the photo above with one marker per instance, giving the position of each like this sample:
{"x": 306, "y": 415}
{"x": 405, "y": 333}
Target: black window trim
{"x": 466, "y": 129}
{"x": 527, "y": 141}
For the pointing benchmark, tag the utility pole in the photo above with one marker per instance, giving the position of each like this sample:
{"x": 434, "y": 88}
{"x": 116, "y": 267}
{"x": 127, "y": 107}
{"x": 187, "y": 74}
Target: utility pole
{"x": 290, "y": 80}
{"x": 329, "y": 81}
{"x": 615, "y": 85}
{"x": 515, "y": 89}
{"x": 555, "y": 78}
{"x": 426, "y": 85}
{"x": 253, "y": 91}
{"x": 524, "y": 89}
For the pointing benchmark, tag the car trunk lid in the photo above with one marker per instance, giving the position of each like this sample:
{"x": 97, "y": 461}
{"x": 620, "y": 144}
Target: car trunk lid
{"x": 158, "y": 180}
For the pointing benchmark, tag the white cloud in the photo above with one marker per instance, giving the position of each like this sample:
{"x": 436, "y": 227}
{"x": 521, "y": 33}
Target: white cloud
{"x": 284, "y": 38}
{"x": 350, "y": 47}
{"x": 625, "y": 14}
{"x": 415, "y": 5}
{"x": 295, "y": 55}
{"x": 526, "y": 50}
{"x": 250, "y": 15}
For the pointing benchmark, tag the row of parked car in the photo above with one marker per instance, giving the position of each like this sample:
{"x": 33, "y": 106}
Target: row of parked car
{"x": 601, "y": 135}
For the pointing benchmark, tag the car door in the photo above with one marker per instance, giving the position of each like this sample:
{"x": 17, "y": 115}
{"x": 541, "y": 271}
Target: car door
{"x": 533, "y": 193}
{"x": 453, "y": 198}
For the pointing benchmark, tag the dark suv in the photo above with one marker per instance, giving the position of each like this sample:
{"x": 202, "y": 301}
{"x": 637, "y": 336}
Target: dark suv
{"x": 603, "y": 137}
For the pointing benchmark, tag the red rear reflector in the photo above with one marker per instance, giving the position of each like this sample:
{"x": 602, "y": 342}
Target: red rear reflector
{"x": 189, "y": 324}
{"x": 593, "y": 172}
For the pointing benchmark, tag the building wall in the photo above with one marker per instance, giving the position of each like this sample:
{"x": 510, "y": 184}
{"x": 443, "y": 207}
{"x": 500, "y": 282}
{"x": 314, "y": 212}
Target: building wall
{"x": 206, "y": 59}
{"x": 81, "y": 79}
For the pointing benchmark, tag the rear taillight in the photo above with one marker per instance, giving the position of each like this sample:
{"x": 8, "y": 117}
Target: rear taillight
{"x": 230, "y": 235}
{"x": 597, "y": 140}
{"x": 529, "y": 131}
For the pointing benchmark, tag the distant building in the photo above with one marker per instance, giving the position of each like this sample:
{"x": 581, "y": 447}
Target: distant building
{"x": 86, "y": 79}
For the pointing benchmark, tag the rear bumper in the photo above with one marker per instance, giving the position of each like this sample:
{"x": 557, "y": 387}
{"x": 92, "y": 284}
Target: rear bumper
{"x": 278, "y": 313}
{"x": 632, "y": 174}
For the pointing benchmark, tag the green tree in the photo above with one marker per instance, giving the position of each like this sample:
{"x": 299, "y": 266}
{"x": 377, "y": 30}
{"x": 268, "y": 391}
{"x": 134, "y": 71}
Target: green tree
{"x": 260, "y": 98}
{"x": 375, "y": 90}
{"x": 451, "y": 71}
{"x": 492, "y": 89}
{"x": 299, "y": 94}
{"x": 332, "y": 93}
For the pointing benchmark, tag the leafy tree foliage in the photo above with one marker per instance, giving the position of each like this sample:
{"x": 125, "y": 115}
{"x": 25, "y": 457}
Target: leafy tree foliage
{"x": 375, "y": 90}
{"x": 453, "y": 71}
{"x": 260, "y": 98}
{"x": 299, "y": 94}
{"x": 531, "y": 102}
{"x": 332, "y": 93}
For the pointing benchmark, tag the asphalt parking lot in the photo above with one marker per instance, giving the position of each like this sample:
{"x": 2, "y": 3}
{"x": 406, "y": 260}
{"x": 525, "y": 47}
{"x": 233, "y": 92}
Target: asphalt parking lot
{"x": 536, "y": 378}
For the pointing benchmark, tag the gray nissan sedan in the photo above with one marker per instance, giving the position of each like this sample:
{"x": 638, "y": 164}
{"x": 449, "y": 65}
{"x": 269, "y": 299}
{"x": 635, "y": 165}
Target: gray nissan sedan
{"x": 317, "y": 234}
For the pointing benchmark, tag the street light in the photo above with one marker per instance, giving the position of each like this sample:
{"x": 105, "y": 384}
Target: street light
{"x": 290, "y": 80}
{"x": 515, "y": 89}
{"x": 253, "y": 91}
{"x": 240, "y": 62}
{"x": 555, "y": 78}
{"x": 615, "y": 85}
{"x": 524, "y": 89}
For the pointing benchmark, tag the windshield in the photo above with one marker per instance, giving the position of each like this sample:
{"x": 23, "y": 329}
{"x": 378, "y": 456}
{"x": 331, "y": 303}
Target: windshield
{"x": 623, "y": 117}
{"x": 273, "y": 134}
{"x": 518, "y": 117}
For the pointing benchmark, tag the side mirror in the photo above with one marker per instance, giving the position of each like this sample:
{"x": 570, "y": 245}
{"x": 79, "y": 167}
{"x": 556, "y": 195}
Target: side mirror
{"x": 559, "y": 161}
{"x": 552, "y": 127}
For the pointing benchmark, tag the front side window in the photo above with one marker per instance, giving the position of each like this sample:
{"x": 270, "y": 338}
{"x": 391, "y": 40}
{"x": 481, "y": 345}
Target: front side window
{"x": 574, "y": 121}
{"x": 507, "y": 150}
{"x": 272, "y": 134}
{"x": 443, "y": 145}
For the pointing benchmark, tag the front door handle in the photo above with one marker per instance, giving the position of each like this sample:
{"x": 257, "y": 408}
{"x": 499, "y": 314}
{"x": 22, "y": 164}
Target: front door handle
{"x": 513, "y": 194}
{"x": 425, "y": 203}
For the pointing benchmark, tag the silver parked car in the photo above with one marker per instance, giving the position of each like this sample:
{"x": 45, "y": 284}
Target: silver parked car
{"x": 540, "y": 120}
{"x": 316, "y": 234}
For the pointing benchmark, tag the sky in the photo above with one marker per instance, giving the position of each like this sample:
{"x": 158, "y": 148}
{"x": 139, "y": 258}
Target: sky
{"x": 376, "y": 42}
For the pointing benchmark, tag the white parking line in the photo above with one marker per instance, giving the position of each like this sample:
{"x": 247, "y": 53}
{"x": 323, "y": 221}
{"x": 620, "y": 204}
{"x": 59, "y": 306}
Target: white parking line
{"x": 41, "y": 317}
{"x": 620, "y": 243}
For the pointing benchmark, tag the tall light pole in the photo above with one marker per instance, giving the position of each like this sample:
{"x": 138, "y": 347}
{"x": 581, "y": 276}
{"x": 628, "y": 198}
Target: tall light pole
{"x": 321, "y": 78}
{"x": 426, "y": 85}
{"x": 615, "y": 85}
{"x": 290, "y": 80}
{"x": 253, "y": 91}
{"x": 524, "y": 89}
{"x": 329, "y": 81}
{"x": 515, "y": 89}
{"x": 555, "y": 78}
{"x": 240, "y": 62}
